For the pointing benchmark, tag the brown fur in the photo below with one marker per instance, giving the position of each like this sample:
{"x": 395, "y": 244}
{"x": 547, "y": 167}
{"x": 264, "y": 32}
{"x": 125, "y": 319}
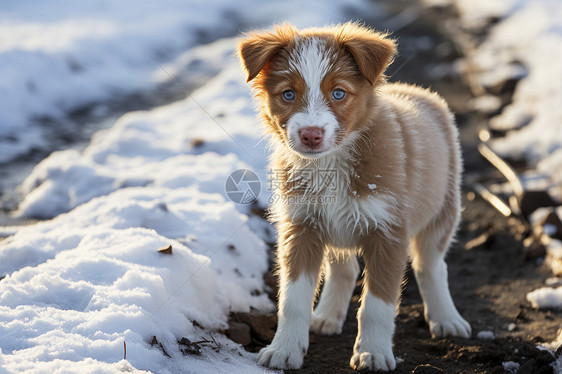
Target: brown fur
{"x": 396, "y": 137}
{"x": 300, "y": 249}
{"x": 258, "y": 48}
{"x": 361, "y": 58}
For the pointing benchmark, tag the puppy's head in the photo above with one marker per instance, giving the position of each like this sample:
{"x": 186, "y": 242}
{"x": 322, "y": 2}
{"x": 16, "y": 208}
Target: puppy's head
{"x": 315, "y": 86}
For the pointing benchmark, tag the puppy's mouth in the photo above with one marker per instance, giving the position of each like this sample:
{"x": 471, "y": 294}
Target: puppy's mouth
{"x": 307, "y": 152}
{"x": 314, "y": 153}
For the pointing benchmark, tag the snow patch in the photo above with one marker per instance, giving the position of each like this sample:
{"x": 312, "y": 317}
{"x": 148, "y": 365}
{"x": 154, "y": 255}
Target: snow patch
{"x": 485, "y": 335}
{"x": 80, "y": 285}
{"x": 105, "y": 282}
{"x": 546, "y": 298}
{"x": 61, "y": 56}
{"x": 529, "y": 55}
{"x": 511, "y": 367}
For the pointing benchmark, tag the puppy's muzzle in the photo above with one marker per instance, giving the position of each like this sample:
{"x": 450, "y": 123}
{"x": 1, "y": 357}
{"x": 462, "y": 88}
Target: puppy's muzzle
{"x": 312, "y": 137}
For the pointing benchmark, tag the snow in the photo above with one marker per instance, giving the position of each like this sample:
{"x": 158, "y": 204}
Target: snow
{"x": 486, "y": 103}
{"x": 63, "y": 55}
{"x": 545, "y": 298}
{"x": 476, "y": 13}
{"x": 485, "y": 335}
{"x": 89, "y": 279}
{"x": 553, "y": 347}
{"x": 81, "y": 284}
{"x": 553, "y": 246}
{"x": 525, "y": 44}
{"x": 510, "y": 366}
{"x": 552, "y": 166}
{"x": 198, "y": 140}
{"x": 553, "y": 281}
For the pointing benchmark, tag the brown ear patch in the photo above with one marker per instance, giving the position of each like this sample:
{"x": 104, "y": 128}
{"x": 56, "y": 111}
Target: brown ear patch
{"x": 258, "y": 48}
{"x": 372, "y": 51}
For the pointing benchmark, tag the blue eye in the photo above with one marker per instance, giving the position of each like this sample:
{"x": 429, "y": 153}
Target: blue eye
{"x": 289, "y": 95}
{"x": 338, "y": 94}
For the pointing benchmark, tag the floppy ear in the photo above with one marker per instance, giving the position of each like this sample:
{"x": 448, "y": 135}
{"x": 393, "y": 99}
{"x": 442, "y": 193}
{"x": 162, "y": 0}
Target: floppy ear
{"x": 257, "y": 48}
{"x": 372, "y": 51}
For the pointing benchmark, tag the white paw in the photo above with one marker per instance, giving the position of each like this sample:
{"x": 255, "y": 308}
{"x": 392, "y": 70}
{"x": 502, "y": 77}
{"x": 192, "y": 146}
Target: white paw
{"x": 286, "y": 357}
{"x": 453, "y": 325}
{"x": 326, "y": 325}
{"x": 373, "y": 361}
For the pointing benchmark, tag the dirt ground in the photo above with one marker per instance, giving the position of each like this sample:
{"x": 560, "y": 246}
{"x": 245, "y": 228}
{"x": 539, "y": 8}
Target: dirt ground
{"x": 489, "y": 282}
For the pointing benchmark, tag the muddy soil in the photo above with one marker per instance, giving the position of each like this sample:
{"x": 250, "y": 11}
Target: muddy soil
{"x": 489, "y": 281}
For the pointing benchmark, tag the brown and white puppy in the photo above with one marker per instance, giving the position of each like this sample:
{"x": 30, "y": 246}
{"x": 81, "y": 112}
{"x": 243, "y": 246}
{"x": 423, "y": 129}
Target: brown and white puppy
{"x": 367, "y": 168}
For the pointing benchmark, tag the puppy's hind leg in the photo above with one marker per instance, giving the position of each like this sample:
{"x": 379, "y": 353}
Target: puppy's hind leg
{"x": 428, "y": 251}
{"x": 340, "y": 277}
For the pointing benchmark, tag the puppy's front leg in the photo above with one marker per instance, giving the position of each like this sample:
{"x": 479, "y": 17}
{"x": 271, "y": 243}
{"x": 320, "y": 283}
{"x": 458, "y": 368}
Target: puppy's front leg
{"x": 300, "y": 256}
{"x": 385, "y": 261}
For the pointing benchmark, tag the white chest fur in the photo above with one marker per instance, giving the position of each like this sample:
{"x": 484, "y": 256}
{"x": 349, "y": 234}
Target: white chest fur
{"x": 326, "y": 201}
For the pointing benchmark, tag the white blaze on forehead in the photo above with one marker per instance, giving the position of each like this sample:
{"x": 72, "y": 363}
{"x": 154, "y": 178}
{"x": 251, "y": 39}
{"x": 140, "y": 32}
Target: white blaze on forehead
{"x": 312, "y": 60}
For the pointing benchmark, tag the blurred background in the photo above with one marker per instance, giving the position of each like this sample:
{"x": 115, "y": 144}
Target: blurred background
{"x": 102, "y": 96}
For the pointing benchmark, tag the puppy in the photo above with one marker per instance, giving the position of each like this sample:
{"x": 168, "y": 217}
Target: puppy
{"x": 362, "y": 168}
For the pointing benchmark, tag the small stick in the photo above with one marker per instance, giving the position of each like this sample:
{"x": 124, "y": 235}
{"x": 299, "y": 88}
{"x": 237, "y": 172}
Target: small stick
{"x": 503, "y": 167}
{"x": 214, "y": 341}
{"x": 496, "y": 202}
{"x": 124, "y": 350}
